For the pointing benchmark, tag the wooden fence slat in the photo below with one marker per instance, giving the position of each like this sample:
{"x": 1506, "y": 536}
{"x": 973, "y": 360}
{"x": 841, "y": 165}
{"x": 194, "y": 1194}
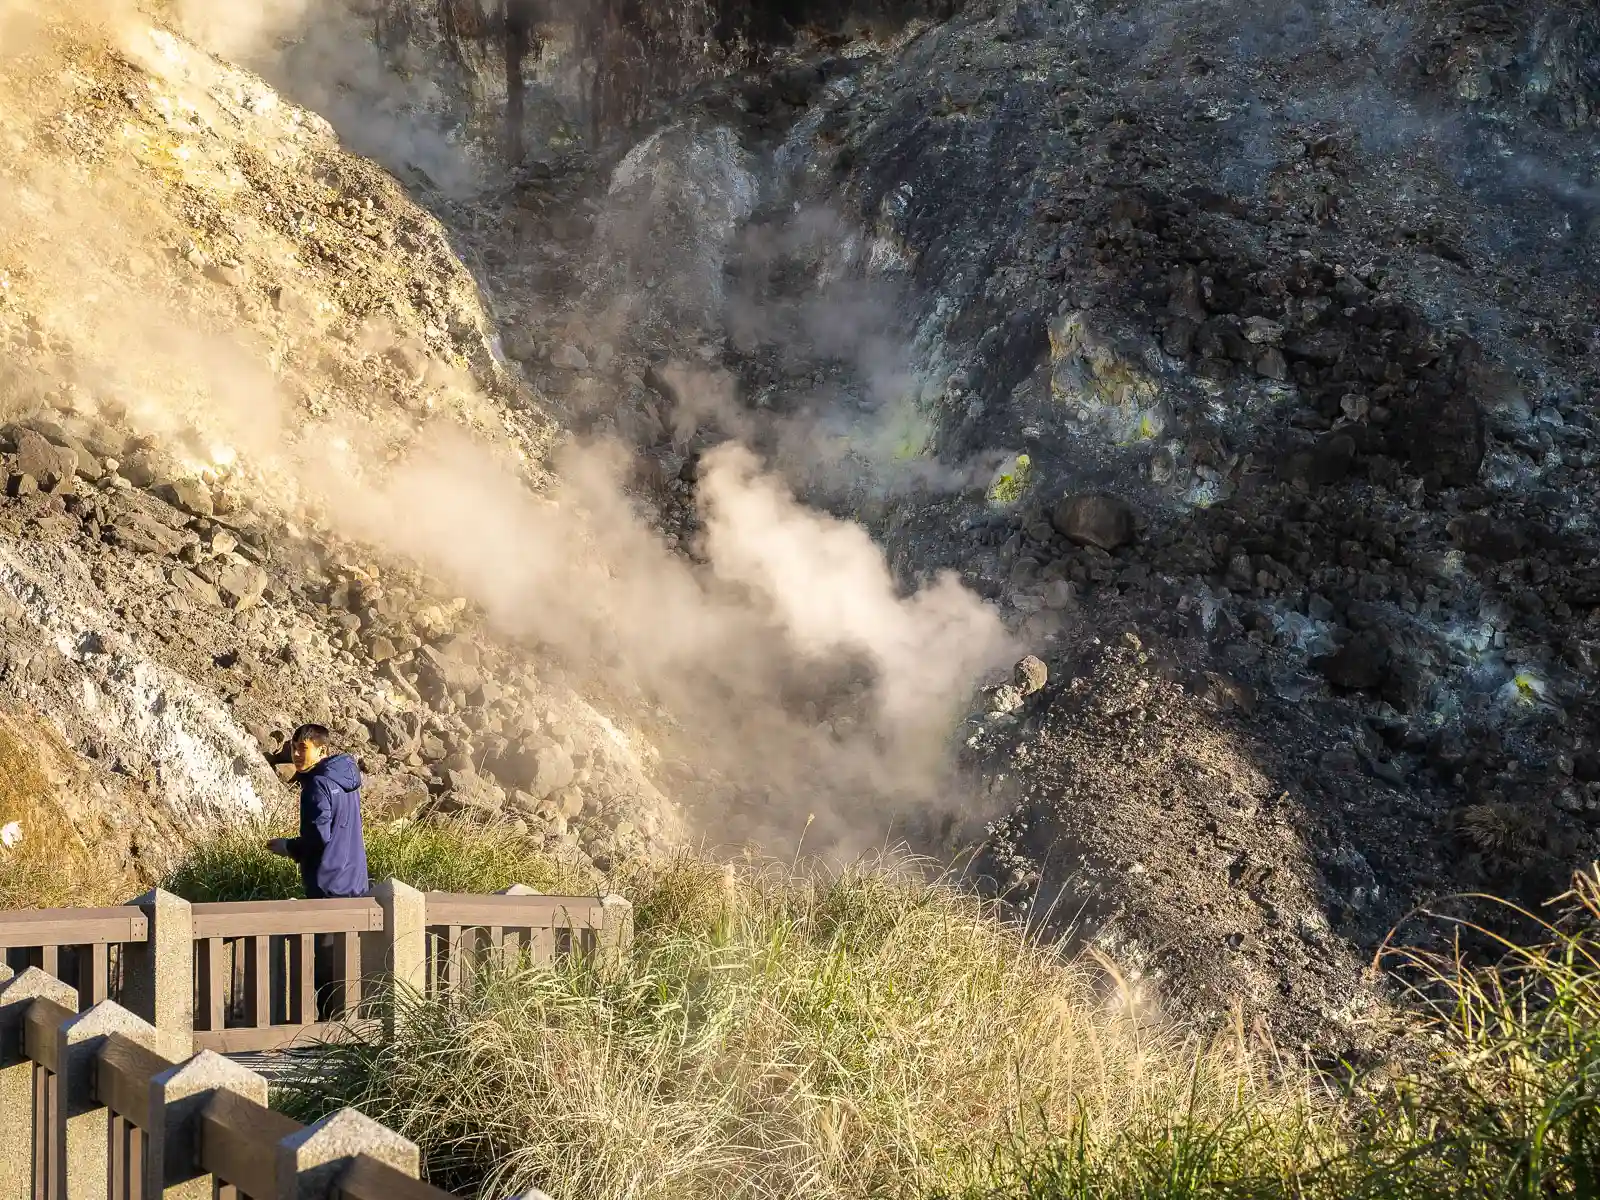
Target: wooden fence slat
{"x": 260, "y": 984}
{"x": 351, "y": 973}
{"x": 123, "y": 1070}
{"x": 94, "y": 974}
{"x": 213, "y": 975}
{"x": 452, "y": 978}
{"x": 307, "y": 974}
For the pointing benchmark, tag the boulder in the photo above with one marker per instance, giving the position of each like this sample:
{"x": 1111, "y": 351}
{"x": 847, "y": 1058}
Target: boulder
{"x": 1359, "y": 665}
{"x": 190, "y": 495}
{"x": 396, "y": 734}
{"x": 534, "y": 766}
{"x": 392, "y": 797}
{"x": 1095, "y": 519}
{"x": 450, "y": 666}
{"x": 49, "y": 465}
{"x": 471, "y": 795}
{"x": 242, "y": 583}
{"x": 194, "y": 587}
{"x": 1031, "y": 674}
{"x": 143, "y": 534}
{"x": 569, "y": 357}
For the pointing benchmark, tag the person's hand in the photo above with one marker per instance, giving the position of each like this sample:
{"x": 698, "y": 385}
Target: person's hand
{"x": 279, "y": 846}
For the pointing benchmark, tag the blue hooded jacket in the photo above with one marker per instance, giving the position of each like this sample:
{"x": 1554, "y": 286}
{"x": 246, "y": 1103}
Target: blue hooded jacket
{"x": 330, "y": 849}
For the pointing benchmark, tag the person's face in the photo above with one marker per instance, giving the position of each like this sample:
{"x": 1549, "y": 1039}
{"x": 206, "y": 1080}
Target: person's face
{"x": 305, "y": 755}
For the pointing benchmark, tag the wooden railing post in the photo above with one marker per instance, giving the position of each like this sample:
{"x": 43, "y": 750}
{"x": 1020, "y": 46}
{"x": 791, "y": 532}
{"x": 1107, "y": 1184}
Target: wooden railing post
{"x": 80, "y": 1122}
{"x": 616, "y": 935}
{"x": 405, "y": 942}
{"x": 311, "y": 1161}
{"x": 159, "y": 974}
{"x": 177, "y": 1098}
{"x": 17, "y": 1077}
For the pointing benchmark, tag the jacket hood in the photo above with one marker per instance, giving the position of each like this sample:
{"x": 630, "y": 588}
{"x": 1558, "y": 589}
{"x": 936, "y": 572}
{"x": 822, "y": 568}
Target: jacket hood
{"x": 338, "y": 769}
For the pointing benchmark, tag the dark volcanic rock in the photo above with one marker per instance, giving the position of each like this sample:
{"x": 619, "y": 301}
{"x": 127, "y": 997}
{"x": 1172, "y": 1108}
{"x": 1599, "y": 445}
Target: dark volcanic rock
{"x": 1095, "y": 519}
{"x": 1358, "y": 665}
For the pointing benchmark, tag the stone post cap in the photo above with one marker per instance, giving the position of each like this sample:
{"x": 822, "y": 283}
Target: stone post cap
{"x": 34, "y": 984}
{"x": 309, "y": 1160}
{"x": 207, "y": 1071}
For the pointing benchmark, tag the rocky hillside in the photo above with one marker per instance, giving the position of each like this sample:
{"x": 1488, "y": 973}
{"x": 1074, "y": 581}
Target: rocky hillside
{"x": 1238, "y": 362}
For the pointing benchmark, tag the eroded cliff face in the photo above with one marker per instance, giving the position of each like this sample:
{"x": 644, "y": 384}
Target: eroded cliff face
{"x": 1239, "y": 362}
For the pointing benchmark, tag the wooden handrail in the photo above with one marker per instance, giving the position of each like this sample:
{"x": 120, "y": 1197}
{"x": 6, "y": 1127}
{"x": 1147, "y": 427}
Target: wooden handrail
{"x": 368, "y": 1179}
{"x": 43, "y": 1020}
{"x": 238, "y": 1143}
{"x": 252, "y": 918}
{"x": 465, "y": 909}
{"x": 122, "y": 1073}
{"x": 72, "y": 926}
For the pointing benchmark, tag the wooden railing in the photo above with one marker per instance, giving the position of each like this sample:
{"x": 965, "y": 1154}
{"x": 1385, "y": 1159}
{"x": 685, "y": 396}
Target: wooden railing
{"x": 268, "y": 975}
{"x": 102, "y": 1093}
{"x": 80, "y": 945}
{"x": 91, "y": 1107}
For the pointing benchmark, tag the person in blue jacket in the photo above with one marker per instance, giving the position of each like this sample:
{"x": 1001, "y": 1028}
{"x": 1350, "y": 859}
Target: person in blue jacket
{"x": 330, "y": 849}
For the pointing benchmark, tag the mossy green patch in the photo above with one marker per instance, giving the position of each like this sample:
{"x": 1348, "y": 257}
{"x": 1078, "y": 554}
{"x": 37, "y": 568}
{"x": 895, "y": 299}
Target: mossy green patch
{"x": 1011, "y": 485}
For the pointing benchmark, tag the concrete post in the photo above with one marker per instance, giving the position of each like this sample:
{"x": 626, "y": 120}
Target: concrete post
{"x": 405, "y": 943}
{"x": 309, "y": 1161}
{"x": 16, "y": 1077}
{"x": 176, "y": 1098}
{"x": 616, "y": 935}
{"x": 80, "y": 1121}
{"x": 159, "y": 975}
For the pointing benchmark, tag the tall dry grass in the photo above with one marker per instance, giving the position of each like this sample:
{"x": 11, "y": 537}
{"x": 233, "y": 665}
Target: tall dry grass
{"x": 784, "y": 1034}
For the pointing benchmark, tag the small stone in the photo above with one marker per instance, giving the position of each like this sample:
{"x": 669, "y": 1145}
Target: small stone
{"x": 192, "y": 586}
{"x": 1006, "y": 698}
{"x": 1272, "y": 365}
{"x": 229, "y": 272}
{"x": 380, "y": 649}
{"x": 1359, "y": 665}
{"x": 243, "y": 584}
{"x": 190, "y": 495}
{"x": 38, "y": 458}
{"x": 1095, "y": 519}
{"x": 1259, "y": 331}
{"x": 1031, "y": 674}
{"x": 23, "y": 485}
{"x": 223, "y": 542}
{"x": 569, "y": 357}
{"x": 285, "y": 771}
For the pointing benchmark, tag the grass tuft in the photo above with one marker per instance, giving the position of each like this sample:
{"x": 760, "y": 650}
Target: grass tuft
{"x": 782, "y": 1034}
{"x": 437, "y": 857}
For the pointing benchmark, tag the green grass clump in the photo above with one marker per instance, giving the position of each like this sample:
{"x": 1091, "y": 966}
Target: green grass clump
{"x": 786, "y": 1034}
{"x": 436, "y": 857}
